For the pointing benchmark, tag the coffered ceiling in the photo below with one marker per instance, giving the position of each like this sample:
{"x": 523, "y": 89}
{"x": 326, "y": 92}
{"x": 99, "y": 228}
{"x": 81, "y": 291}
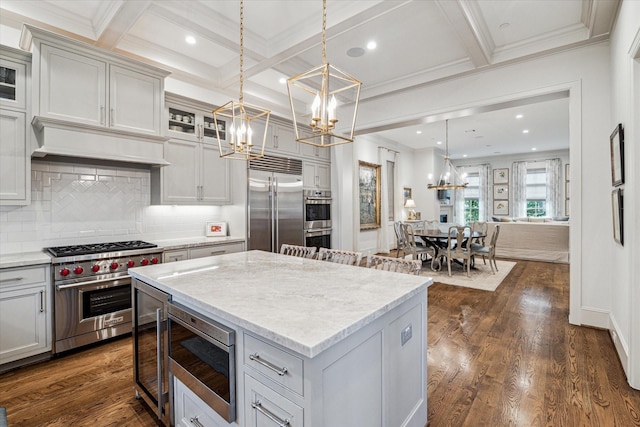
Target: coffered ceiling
{"x": 419, "y": 42}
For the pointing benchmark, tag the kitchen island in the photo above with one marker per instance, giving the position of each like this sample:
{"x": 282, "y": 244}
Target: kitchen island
{"x": 353, "y": 340}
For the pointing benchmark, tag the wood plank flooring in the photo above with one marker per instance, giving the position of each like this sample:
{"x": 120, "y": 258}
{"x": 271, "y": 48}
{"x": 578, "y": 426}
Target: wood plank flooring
{"x": 504, "y": 358}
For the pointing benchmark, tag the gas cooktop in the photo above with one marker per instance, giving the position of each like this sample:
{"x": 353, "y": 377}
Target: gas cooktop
{"x": 95, "y": 248}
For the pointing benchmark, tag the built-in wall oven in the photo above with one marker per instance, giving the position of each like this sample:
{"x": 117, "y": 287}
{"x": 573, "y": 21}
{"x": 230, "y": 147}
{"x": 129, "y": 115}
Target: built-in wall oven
{"x": 202, "y": 356}
{"x": 317, "y": 218}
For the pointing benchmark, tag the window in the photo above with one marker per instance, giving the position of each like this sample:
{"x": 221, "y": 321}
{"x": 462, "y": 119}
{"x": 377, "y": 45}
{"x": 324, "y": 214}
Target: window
{"x": 536, "y": 192}
{"x": 471, "y": 196}
{"x": 391, "y": 184}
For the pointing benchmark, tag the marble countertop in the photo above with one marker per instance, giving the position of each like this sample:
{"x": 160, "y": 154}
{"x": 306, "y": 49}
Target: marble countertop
{"x": 194, "y": 242}
{"x": 24, "y": 259}
{"x": 304, "y": 305}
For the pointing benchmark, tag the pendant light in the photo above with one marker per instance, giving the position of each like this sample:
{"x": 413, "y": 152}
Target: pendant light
{"x": 241, "y": 120}
{"x": 450, "y": 178}
{"x": 322, "y": 98}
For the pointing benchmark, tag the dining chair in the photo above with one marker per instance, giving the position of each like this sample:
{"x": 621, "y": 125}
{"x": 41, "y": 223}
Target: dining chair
{"x": 400, "y": 246}
{"x": 458, "y": 242}
{"x": 488, "y": 251}
{"x": 409, "y": 266}
{"x": 480, "y": 227}
{"x": 432, "y": 224}
{"x": 410, "y": 247}
{"x": 340, "y": 256}
{"x": 298, "y": 251}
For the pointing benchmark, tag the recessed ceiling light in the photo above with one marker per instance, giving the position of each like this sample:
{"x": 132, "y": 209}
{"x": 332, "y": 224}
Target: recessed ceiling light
{"x": 190, "y": 40}
{"x": 282, "y": 80}
{"x": 525, "y": 131}
{"x": 534, "y": 149}
{"x": 419, "y": 132}
{"x": 519, "y": 116}
{"x": 439, "y": 142}
{"x": 464, "y": 155}
{"x": 372, "y": 45}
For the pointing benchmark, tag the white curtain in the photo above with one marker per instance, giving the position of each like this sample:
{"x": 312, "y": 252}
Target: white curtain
{"x": 458, "y": 207}
{"x": 519, "y": 189}
{"x": 553, "y": 201}
{"x": 383, "y": 245}
{"x": 484, "y": 173}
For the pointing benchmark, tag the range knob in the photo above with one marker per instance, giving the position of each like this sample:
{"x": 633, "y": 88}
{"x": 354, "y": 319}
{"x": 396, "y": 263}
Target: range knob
{"x": 144, "y": 261}
{"x": 154, "y": 260}
{"x": 65, "y": 272}
{"x": 78, "y": 270}
{"x": 95, "y": 268}
{"x": 130, "y": 263}
{"x": 113, "y": 265}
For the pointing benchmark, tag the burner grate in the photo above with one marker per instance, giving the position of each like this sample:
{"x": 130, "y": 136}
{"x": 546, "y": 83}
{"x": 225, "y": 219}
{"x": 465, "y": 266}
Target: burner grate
{"x": 95, "y": 248}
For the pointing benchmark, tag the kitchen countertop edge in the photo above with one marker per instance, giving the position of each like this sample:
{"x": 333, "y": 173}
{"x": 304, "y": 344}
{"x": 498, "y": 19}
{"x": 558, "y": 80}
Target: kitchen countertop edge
{"x": 24, "y": 259}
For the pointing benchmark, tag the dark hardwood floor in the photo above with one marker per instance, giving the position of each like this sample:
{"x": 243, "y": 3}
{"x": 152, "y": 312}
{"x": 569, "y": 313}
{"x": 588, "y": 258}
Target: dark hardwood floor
{"x": 504, "y": 358}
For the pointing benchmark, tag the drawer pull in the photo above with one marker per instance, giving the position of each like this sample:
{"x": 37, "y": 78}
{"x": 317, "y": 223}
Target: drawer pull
{"x": 257, "y": 405}
{"x": 12, "y": 279}
{"x": 274, "y": 368}
{"x": 41, "y": 301}
{"x": 218, "y": 252}
{"x": 196, "y": 422}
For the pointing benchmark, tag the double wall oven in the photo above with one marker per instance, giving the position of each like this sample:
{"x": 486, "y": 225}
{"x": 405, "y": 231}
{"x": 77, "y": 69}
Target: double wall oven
{"x": 317, "y": 218}
{"x": 92, "y": 298}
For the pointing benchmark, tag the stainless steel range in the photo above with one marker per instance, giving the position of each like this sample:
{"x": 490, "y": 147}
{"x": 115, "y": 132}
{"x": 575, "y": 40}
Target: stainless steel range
{"x": 92, "y": 299}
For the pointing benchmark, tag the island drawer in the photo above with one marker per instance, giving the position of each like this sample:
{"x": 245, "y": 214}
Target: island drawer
{"x": 278, "y": 365}
{"x": 263, "y": 406}
{"x": 22, "y": 276}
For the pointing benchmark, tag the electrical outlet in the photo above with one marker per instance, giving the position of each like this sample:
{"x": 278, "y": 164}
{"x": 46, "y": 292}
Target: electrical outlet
{"x": 406, "y": 334}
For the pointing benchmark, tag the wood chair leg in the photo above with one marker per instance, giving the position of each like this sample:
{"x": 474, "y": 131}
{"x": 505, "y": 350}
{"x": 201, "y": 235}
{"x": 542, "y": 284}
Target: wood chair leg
{"x": 449, "y": 266}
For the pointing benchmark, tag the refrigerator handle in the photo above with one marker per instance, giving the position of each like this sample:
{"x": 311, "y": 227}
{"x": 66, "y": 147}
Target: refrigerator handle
{"x": 276, "y": 232}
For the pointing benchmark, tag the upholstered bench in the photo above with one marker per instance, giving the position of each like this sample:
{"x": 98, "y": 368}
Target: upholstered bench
{"x": 536, "y": 241}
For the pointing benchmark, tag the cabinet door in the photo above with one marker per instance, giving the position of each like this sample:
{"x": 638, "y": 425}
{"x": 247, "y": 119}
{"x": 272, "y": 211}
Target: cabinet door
{"x": 15, "y": 162}
{"x": 23, "y": 322}
{"x": 216, "y": 185}
{"x": 283, "y": 140}
{"x": 12, "y": 84}
{"x": 180, "y": 180}
{"x": 320, "y": 153}
{"x": 323, "y": 172}
{"x": 72, "y": 87}
{"x": 135, "y": 103}
{"x": 317, "y": 175}
{"x": 266, "y": 408}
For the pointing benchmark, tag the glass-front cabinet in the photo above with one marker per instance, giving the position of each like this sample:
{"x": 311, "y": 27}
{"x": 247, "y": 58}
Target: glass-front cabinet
{"x": 192, "y": 120}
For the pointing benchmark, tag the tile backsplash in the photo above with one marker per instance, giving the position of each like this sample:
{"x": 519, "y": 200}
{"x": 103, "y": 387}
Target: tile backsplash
{"x": 73, "y": 204}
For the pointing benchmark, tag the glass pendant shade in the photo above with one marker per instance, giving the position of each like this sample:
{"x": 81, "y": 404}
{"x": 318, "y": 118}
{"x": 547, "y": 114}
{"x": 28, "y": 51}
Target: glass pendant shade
{"x": 450, "y": 178}
{"x": 324, "y": 101}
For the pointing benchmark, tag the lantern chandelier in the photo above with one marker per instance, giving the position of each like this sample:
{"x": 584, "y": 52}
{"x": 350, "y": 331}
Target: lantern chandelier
{"x": 240, "y": 119}
{"x": 323, "y": 90}
{"x": 450, "y": 178}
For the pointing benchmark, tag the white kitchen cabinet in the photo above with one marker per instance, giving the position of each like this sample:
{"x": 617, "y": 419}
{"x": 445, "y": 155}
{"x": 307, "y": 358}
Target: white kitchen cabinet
{"x": 189, "y": 410}
{"x": 196, "y": 176}
{"x": 25, "y": 312}
{"x": 175, "y": 255}
{"x": 201, "y": 251}
{"x": 81, "y": 88}
{"x": 316, "y": 176}
{"x": 191, "y": 123}
{"x": 264, "y": 407}
{"x": 320, "y": 153}
{"x": 280, "y": 139}
{"x": 15, "y": 149}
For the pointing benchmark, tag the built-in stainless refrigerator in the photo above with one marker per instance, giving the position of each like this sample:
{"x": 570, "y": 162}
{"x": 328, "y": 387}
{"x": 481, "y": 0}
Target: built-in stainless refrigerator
{"x": 275, "y": 211}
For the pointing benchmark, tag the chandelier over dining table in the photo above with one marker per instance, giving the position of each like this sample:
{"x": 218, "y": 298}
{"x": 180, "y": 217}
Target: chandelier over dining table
{"x": 324, "y": 101}
{"x": 450, "y": 178}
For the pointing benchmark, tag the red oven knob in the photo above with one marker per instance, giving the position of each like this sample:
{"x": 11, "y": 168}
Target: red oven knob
{"x": 113, "y": 265}
{"x": 130, "y": 263}
{"x": 64, "y": 272}
{"x": 78, "y": 270}
{"x": 154, "y": 260}
{"x": 95, "y": 268}
{"x": 144, "y": 261}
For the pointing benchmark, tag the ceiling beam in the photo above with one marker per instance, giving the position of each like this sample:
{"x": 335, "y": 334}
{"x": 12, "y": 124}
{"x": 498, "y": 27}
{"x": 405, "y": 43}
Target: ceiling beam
{"x": 117, "y": 20}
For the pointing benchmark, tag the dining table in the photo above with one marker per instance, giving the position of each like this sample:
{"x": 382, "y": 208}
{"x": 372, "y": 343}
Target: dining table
{"x": 438, "y": 240}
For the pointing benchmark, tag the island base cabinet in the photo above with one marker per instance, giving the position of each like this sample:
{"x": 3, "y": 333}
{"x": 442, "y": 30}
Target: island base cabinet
{"x": 264, "y": 407}
{"x": 191, "y": 411}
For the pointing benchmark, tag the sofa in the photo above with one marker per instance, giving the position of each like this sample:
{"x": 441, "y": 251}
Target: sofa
{"x": 546, "y": 241}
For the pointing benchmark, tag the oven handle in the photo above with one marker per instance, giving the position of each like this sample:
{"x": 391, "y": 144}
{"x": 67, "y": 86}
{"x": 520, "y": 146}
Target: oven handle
{"x": 92, "y": 282}
{"x": 317, "y": 232}
{"x": 316, "y": 201}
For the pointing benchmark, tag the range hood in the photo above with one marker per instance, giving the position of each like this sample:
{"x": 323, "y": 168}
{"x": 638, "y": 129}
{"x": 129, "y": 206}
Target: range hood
{"x": 63, "y": 138}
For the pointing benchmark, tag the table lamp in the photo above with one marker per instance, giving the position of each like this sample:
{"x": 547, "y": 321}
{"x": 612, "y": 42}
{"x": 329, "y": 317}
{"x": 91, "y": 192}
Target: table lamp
{"x": 411, "y": 204}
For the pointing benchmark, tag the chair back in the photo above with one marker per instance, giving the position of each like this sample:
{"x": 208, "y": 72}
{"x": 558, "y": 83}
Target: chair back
{"x": 409, "y": 243}
{"x": 481, "y": 227}
{"x": 340, "y": 256}
{"x": 432, "y": 225}
{"x": 494, "y": 236}
{"x": 458, "y": 241}
{"x": 298, "y": 251}
{"x": 396, "y": 265}
{"x": 397, "y": 226}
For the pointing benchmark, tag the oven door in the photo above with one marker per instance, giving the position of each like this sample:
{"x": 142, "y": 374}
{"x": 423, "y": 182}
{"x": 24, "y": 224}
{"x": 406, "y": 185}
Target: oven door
{"x": 87, "y": 312}
{"x": 318, "y": 238}
{"x": 317, "y": 213}
{"x": 203, "y": 363}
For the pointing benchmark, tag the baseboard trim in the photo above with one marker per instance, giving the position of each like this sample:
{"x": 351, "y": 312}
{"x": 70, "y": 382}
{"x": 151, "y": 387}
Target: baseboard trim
{"x": 621, "y": 346}
{"x": 595, "y": 317}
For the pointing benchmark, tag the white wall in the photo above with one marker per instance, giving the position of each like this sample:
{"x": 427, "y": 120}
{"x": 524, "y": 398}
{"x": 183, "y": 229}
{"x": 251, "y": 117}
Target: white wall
{"x": 624, "y": 283}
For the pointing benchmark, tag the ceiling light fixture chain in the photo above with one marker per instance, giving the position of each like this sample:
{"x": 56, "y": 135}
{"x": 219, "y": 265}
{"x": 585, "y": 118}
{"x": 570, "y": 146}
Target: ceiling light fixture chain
{"x": 235, "y": 122}
{"x": 324, "y": 31}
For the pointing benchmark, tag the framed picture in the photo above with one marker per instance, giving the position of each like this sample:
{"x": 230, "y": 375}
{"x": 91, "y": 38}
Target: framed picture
{"x": 617, "y": 156}
{"x": 501, "y": 207}
{"x": 216, "y": 229}
{"x": 369, "y": 195}
{"x": 617, "y": 208}
{"x": 501, "y": 176}
{"x": 501, "y": 192}
{"x": 407, "y": 194}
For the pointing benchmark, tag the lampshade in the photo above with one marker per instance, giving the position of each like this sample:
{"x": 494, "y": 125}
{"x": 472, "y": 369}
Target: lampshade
{"x": 241, "y": 120}
{"x": 324, "y": 101}
{"x": 450, "y": 178}
{"x": 410, "y": 203}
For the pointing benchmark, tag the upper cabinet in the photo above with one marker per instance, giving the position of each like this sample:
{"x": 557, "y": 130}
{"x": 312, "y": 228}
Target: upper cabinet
{"x": 80, "y": 88}
{"x": 15, "y": 161}
{"x": 192, "y": 120}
